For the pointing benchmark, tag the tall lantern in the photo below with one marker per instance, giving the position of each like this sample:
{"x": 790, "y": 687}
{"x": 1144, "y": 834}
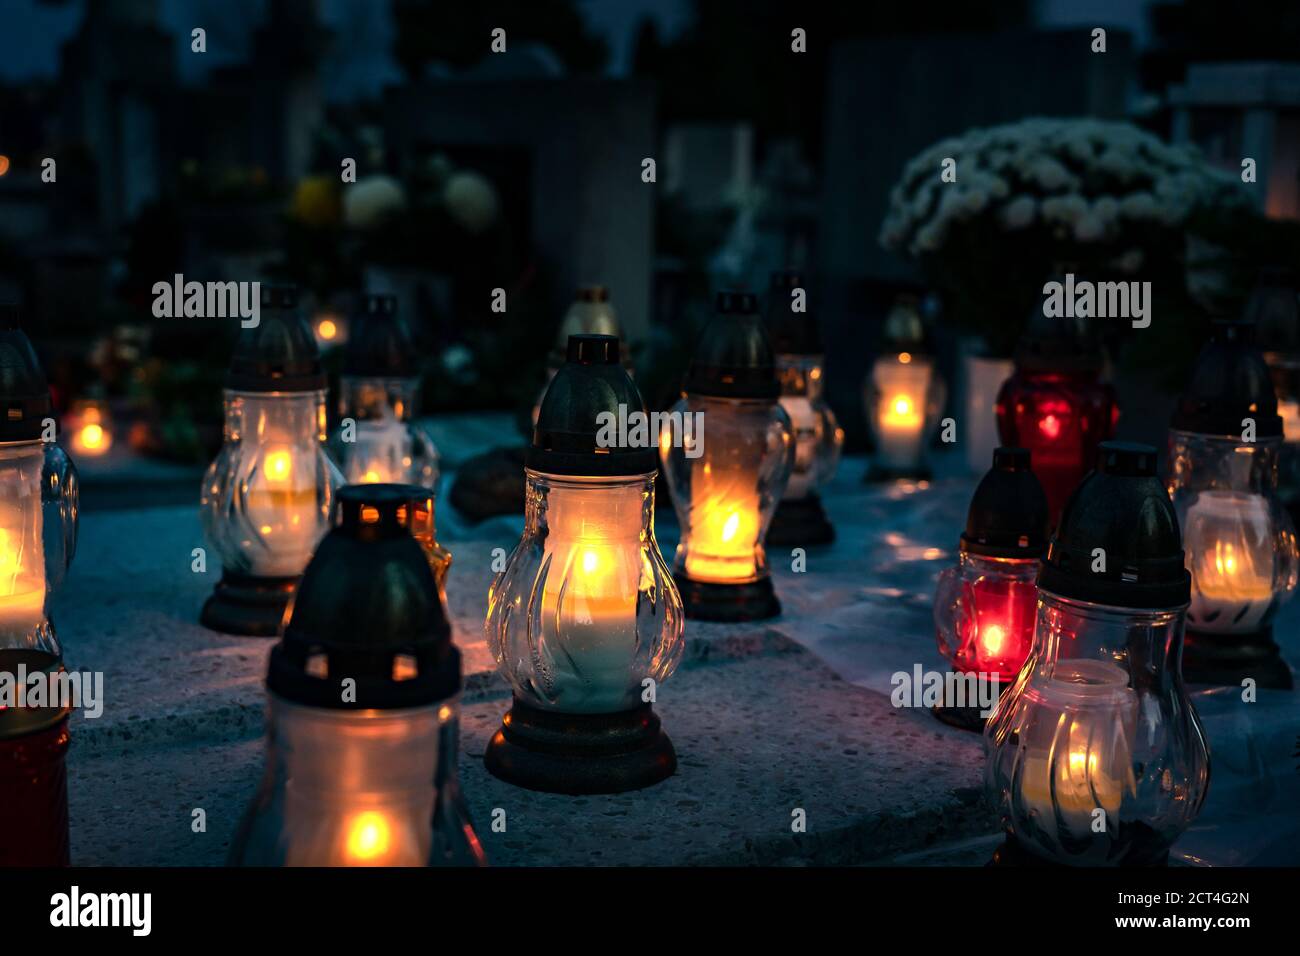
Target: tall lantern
{"x": 590, "y": 314}
{"x": 726, "y": 481}
{"x": 38, "y": 536}
{"x": 818, "y": 438}
{"x": 266, "y": 498}
{"x": 1095, "y": 756}
{"x": 1224, "y": 444}
{"x": 363, "y": 694}
{"x": 377, "y": 440}
{"x": 1274, "y": 307}
{"x": 904, "y": 395}
{"x": 585, "y": 616}
{"x": 1055, "y": 405}
{"x": 985, "y": 606}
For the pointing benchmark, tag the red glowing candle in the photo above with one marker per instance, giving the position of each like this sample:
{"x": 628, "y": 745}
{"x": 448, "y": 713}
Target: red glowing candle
{"x": 996, "y": 625}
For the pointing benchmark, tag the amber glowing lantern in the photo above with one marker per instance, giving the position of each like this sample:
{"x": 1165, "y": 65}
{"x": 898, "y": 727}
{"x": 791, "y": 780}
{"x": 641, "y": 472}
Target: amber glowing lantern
{"x": 727, "y": 478}
{"x": 818, "y": 438}
{"x": 985, "y": 606}
{"x": 91, "y": 428}
{"x": 266, "y": 498}
{"x": 904, "y": 395}
{"x": 363, "y": 713}
{"x": 1224, "y": 443}
{"x": 1055, "y": 404}
{"x": 1095, "y": 755}
{"x": 377, "y": 439}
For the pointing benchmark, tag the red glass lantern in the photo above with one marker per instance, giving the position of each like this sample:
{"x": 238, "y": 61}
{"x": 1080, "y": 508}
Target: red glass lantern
{"x": 1054, "y": 405}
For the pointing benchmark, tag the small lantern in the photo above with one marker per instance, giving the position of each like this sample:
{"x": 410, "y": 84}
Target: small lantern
{"x": 904, "y": 396}
{"x": 726, "y": 481}
{"x": 1096, "y": 756}
{"x": 91, "y": 427}
{"x": 1054, "y": 404}
{"x": 363, "y": 707}
{"x": 1274, "y": 307}
{"x": 818, "y": 438}
{"x": 33, "y": 773}
{"x": 266, "y": 498}
{"x": 376, "y": 440}
{"x": 1224, "y": 444}
{"x": 590, "y": 314}
{"x": 985, "y": 606}
{"x": 585, "y": 620}
{"x": 39, "y": 497}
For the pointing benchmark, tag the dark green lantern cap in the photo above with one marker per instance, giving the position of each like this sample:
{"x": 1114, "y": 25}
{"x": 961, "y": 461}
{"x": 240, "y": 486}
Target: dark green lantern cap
{"x": 368, "y": 609}
{"x": 590, "y": 385}
{"x": 734, "y": 357}
{"x": 379, "y": 343}
{"x": 1122, "y": 508}
{"x": 792, "y": 333}
{"x": 1230, "y": 382}
{"x": 279, "y": 354}
{"x": 1008, "y": 515}
{"x": 1057, "y": 343}
{"x": 24, "y": 392}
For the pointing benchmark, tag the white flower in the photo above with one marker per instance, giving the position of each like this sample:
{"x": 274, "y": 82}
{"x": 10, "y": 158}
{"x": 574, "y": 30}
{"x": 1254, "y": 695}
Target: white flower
{"x": 1141, "y": 205}
{"x": 1067, "y": 209}
{"x": 1020, "y": 212}
{"x": 471, "y": 200}
{"x": 1049, "y": 173}
{"x": 369, "y": 201}
{"x": 1089, "y": 228}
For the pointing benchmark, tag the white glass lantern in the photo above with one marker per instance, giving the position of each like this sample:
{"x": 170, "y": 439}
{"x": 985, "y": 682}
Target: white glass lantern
{"x": 1224, "y": 448}
{"x": 585, "y": 614}
{"x": 904, "y": 395}
{"x": 363, "y": 707}
{"x": 266, "y": 498}
{"x": 377, "y": 439}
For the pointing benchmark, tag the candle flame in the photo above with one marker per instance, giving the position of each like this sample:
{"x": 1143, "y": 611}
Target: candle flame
{"x": 902, "y": 405}
{"x": 327, "y": 330}
{"x": 993, "y": 638}
{"x": 277, "y": 466}
{"x": 590, "y": 562}
{"x": 369, "y": 836}
{"x": 1050, "y": 426}
{"x": 731, "y": 526}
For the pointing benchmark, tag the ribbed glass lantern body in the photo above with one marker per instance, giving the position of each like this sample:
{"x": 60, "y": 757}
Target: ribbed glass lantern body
{"x": 818, "y": 438}
{"x": 1239, "y": 540}
{"x": 382, "y": 443}
{"x": 267, "y": 496}
{"x": 356, "y": 788}
{"x": 1095, "y": 756}
{"x": 903, "y": 397}
{"x": 726, "y": 495}
{"x": 586, "y": 608}
{"x": 984, "y": 613}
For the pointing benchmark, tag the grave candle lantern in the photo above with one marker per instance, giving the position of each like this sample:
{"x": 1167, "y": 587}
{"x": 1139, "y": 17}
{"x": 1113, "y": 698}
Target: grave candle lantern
{"x": 1095, "y": 756}
{"x": 33, "y": 774}
{"x": 818, "y": 438}
{"x": 266, "y": 498}
{"x": 590, "y": 314}
{"x": 1054, "y": 404}
{"x": 726, "y": 485}
{"x": 1274, "y": 307}
{"x": 90, "y": 425}
{"x": 904, "y": 395}
{"x": 377, "y": 440}
{"x": 585, "y": 614}
{"x": 985, "y": 606}
{"x": 1224, "y": 444}
{"x": 363, "y": 693}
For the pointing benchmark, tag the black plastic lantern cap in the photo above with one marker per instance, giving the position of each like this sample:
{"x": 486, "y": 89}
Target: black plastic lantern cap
{"x": 24, "y": 391}
{"x": 379, "y": 344}
{"x": 589, "y": 383}
{"x": 1008, "y": 516}
{"x": 280, "y": 353}
{"x": 1057, "y": 343}
{"x": 368, "y": 609}
{"x": 1230, "y": 383}
{"x": 1118, "y": 541}
{"x": 734, "y": 356}
{"x": 792, "y": 333}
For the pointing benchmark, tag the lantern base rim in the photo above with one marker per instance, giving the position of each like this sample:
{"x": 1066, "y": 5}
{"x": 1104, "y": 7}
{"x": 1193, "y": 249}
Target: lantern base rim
{"x": 580, "y": 754}
{"x": 1012, "y": 852}
{"x": 880, "y": 472}
{"x": 728, "y": 603}
{"x": 1228, "y": 659}
{"x": 247, "y": 606}
{"x": 801, "y": 521}
{"x": 966, "y": 716}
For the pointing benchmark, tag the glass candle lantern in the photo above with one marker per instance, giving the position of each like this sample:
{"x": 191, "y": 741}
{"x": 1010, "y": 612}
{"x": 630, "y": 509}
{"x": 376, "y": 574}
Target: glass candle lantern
{"x": 904, "y": 397}
{"x": 1055, "y": 405}
{"x": 727, "y": 478}
{"x": 266, "y": 498}
{"x": 1240, "y": 542}
{"x": 33, "y": 773}
{"x": 585, "y": 615}
{"x": 363, "y": 694}
{"x": 376, "y": 439}
{"x": 984, "y": 608}
{"x": 818, "y": 438}
{"x": 90, "y": 426}
{"x": 1274, "y": 308}
{"x": 1096, "y": 756}
{"x": 590, "y": 314}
